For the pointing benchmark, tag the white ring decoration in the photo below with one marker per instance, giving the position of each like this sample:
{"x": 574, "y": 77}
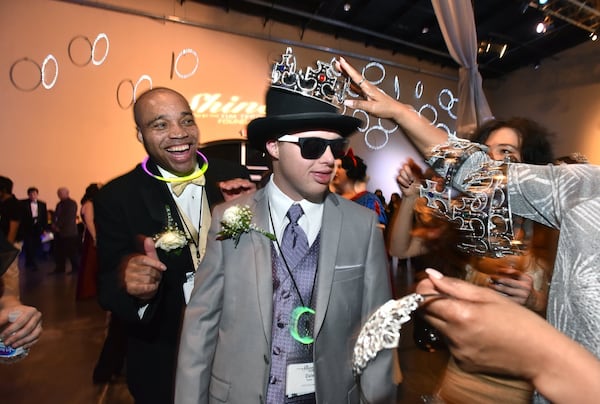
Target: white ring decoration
{"x": 43, "y": 70}
{"x": 451, "y": 101}
{"x": 137, "y": 83}
{"x": 419, "y": 89}
{"x": 187, "y": 51}
{"x": 376, "y": 127}
{"x": 431, "y": 107}
{"x": 360, "y": 111}
{"x": 100, "y": 36}
{"x": 446, "y": 128}
{"x": 377, "y": 65}
{"x": 383, "y": 128}
{"x": 397, "y": 87}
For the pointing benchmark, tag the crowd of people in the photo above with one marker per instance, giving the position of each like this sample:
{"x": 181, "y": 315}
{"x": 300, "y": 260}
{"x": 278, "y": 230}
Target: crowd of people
{"x": 221, "y": 292}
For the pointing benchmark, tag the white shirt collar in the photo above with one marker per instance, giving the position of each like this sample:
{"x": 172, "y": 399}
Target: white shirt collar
{"x": 279, "y": 204}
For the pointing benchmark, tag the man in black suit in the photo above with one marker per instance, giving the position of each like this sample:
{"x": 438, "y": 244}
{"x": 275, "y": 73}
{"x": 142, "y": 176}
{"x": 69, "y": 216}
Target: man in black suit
{"x": 33, "y": 223}
{"x": 145, "y": 279}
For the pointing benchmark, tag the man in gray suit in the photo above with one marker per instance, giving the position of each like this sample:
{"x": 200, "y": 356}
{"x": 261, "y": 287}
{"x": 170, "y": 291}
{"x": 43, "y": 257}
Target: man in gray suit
{"x": 270, "y": 323}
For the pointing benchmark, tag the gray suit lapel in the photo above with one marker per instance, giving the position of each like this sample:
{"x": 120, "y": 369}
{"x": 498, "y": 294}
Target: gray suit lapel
{"x": 331, "y": 228}
{"x": 262, "y": 259}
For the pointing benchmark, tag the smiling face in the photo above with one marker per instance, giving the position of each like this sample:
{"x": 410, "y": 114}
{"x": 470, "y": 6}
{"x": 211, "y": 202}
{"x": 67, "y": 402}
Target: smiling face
{"x": 300, "y": 178}
{"x": 504, "y": 142}
{"x": 167, "y": 129}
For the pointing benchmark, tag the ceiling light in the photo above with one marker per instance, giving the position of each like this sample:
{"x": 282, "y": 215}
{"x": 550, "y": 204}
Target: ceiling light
{"x": 347, "y": 7}
{"x": 492, "y": 47}
{"x": 540, "y": 28}
{"x": 593, "y": 36}
{"x": 543, "y": 26}
{"x": 502, "y": 50}
{"x": 424, "y": 30}
{"x": 542, "y": 2}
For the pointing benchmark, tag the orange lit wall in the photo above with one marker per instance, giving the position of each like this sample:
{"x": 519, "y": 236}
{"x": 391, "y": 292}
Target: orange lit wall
{"x": 81, "y": 129}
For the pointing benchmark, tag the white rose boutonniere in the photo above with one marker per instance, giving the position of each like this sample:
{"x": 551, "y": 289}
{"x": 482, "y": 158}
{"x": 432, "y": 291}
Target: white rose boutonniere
{"x": 172, "y": 238}
{"x": 236, "y": 221}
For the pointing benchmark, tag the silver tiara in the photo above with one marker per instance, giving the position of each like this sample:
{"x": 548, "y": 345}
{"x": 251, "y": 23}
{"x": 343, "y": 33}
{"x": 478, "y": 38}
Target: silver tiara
{"x": 323, "y": 82}
{"x": 482, "y": 211}
{"x": 382, "y": 330}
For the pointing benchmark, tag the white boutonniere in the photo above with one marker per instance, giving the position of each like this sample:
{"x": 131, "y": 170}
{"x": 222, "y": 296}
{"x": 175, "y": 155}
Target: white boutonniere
{"x": 236, "y": 221}
{"x": 172, "y": 238}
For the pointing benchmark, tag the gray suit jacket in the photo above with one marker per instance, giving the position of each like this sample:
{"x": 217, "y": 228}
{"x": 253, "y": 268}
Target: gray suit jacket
{"x": 224, "y": 354}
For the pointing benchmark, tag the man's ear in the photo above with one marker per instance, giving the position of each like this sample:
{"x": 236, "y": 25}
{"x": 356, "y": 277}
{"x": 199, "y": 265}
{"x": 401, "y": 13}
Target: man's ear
{"x": 272, "y": 147}
{"x": 139, "y": 135}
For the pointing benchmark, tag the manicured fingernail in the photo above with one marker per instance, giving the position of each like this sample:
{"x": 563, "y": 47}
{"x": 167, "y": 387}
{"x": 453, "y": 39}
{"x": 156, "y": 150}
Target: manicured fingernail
{"x": 341, "y": 58}
{"x": 434, "y": 273}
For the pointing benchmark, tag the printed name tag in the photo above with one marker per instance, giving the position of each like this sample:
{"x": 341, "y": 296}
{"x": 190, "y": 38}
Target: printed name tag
{"x": 300, "y": 379}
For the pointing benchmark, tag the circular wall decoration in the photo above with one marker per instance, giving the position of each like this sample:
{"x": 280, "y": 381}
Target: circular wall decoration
{"x": 70, "y": 50}
{"x": 47, "y": 85}
{"x": 37, "y": 74}
{"x": 125, "y": 81}
{"x": 134, "y": 90}
{"x": 98, "y": 62}
{"x": 181, "y": 54}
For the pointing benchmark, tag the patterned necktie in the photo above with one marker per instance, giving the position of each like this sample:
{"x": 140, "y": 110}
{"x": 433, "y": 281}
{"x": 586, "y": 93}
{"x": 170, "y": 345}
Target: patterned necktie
{"x": 294, "y": 243}
{"x": 178, "y": 187}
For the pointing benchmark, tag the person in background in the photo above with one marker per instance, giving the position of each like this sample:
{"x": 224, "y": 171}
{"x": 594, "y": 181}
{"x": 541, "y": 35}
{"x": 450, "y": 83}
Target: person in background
{"x": 275, "y": 313}
{"x": 35, "y": 221}
{"x": 350, "y": 182}
{"x": 563, "y": 197}
{"x": 381, "y": 197}
{"x": 151, "y": 226}
{"x": 64, "y": 225}
{"x": 86, "y": 282}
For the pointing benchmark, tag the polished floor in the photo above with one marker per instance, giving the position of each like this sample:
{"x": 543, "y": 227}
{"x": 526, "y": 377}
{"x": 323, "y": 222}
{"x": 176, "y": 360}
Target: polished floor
{"x": 59, "y": 367}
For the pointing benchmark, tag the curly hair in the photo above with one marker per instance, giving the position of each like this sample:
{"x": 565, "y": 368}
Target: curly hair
{"x": 535, "y": 139}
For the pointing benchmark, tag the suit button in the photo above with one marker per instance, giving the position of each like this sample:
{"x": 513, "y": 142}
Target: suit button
{"x": 276, "y": 350}
{"x": 286, "y": 294}
{"x": 272, "y": 380}
{"x": 280, "y": 324}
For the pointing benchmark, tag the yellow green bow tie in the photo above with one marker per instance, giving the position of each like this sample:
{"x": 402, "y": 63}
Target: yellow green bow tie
{"x": 178, "y": 187}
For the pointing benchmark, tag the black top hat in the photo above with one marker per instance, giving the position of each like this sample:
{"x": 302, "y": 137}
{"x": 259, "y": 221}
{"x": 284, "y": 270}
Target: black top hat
{"x": 289, "y": 112}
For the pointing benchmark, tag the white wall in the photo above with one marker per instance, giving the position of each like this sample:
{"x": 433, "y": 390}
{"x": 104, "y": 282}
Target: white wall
{"x": 76, "y": 132}
{"x": 563, "y": 94}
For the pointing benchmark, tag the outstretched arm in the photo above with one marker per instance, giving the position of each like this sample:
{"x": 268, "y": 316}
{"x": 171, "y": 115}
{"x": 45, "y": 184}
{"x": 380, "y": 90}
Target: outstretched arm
{"x": 488, "y": 332}
{"x": 418, "y": 129}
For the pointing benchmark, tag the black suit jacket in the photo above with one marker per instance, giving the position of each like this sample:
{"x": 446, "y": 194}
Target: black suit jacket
{"x": 126, "y": 210}
{"x": 29, "y": 226}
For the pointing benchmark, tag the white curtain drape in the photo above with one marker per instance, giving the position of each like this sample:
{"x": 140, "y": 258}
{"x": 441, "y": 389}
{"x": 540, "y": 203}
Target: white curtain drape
{"x": 457, "y": 23}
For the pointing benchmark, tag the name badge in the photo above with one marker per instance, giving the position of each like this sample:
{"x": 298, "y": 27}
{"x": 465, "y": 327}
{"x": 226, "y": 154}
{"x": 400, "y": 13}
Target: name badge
{"x": 300, "y": 379}
{"x": 188, "y": 286}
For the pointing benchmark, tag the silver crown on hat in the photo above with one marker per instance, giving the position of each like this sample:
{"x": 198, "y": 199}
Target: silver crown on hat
{"x": 323, "y": 82}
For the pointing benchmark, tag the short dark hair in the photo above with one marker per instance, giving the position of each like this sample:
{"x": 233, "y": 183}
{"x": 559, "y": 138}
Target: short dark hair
{"x": 6, "y": 185}
{"x": 32, "y": 189}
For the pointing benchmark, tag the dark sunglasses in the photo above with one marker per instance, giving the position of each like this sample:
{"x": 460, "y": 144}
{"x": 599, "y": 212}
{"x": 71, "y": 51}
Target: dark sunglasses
{"x": 311, "y": 148}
